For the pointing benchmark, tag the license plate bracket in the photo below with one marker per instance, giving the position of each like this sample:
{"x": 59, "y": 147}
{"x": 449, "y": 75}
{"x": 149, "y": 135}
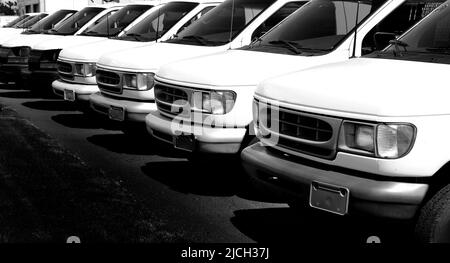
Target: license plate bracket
{"x": 185, "y": 142}
{"x": 330, "y": 198}
{"x": 69, "y": 95}
{"x": 116, "y": 113}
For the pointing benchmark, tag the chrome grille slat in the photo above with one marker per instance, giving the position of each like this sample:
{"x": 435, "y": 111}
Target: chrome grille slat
{"x": 300, "y": 131}
{"x": 64, "y": 67}
{"x": 65, "y": 71}
{"x": 166, "y": 96}
{"x": 109, "y": 82}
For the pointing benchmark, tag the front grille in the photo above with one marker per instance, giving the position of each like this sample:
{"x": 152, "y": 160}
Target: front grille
{"x": 109, "y": 81}
{"x": 64, "y": 67}
{"x": 303, "y": 127}
{"x": 35, "y": 60}
{"x": 4, "y": 53}
{"x": 167, "y": 98}
{"x": 300, "y": 131}
{"x": 65, "y": 71}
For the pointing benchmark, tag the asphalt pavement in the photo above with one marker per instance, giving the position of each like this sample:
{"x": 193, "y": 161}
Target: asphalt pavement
{"x": 203, "y": 202}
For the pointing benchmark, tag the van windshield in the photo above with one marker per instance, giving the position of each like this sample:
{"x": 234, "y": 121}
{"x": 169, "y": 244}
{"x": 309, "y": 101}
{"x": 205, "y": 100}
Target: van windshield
{"x": 318, "y": 26}
{"x": 216, "y": 27}
{"x": 77, "y": 21}
{"x": 432, "y": 35}
{"x": 114, "y": 24}
{"x": 50, "y": 21}
{"x": 32, "y": 21}
{"x": 16, "y": 21}
{"x": 160, "y": 20}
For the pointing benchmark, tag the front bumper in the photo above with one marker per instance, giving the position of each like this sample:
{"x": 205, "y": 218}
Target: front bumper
{"x": 42, "y": 77}
{"x": 82, "y": 91}
{"x": 207, "y": 139}
{"x": 12, "y": 72}
{"x": 135, "y": 111}
{"x": 384, "y": 198}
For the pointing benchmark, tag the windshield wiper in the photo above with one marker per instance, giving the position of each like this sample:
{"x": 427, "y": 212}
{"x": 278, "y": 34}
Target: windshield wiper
{"x": 199, "y": 39}
{"x": 136, "y": 36}
{"x": 438, "y": 49}
{"x": 92, "y": 33}
{"x": 292, "y": 46}
{"x": 397, "y": 44}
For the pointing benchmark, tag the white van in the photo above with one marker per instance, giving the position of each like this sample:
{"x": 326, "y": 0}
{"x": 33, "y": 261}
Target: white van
{"x": 13, "y": 60}
{"x": 19, "y": 25}
{"x": 208, "y": 108}
{"x": 77, "y": 64}
{"x": 366, "y": 136}
{"x": 42, "y": 67}
{"x": 78, "y": 23}
{"x": 126, "y": 78}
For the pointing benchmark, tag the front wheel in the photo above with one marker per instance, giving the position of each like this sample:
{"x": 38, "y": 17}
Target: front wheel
{"x": 433, "y": 224}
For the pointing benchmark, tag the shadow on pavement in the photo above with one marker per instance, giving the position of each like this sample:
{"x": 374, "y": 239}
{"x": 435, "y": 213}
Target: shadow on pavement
{"x": 273, "y": 225}
{"x": 206, "y": 179}
{"x": 123, "y": 143}
{"x": 20, "y": 94}
{"x": 84, "y": 121}
{"x": 50, "y": 105}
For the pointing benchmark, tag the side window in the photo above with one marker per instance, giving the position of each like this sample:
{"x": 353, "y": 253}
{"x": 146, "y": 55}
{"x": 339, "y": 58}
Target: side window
{"x": 396, "y": 23}
{"x": 98, "y": 21}
{"x": 196, "y": 17}
{"x": 276, "y": 18}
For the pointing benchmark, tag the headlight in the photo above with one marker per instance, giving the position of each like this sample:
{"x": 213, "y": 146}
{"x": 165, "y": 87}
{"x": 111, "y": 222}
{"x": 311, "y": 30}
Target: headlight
{"x": 140, "y": 81}
{"x": 394, "y": 140}
{"x": 85, "y": 70}
{"x": 390, "y": 141}
{"x": 213, "y": 102}
{"x": 256, "y": 117}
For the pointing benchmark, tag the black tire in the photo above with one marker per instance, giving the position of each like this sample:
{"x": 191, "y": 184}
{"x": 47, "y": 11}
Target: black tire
{"x": 433, "y": 223}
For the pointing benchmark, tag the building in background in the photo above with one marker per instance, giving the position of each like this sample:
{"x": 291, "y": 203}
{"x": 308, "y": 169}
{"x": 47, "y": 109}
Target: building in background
{"x": 49, "y": 6}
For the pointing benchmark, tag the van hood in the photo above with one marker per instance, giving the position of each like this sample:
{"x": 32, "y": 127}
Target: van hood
{"x": 151, "y": 58}
{"x": 236, "y": 67}
{"x": 367, "y": 86}
{"x": 93, "y": 51}
{"x": 7, "y": 35}
{"x": 62, "y": 42}
{"x": 28, "y": 40}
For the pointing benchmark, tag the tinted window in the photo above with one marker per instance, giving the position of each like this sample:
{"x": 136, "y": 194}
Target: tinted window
{"x": 432, "y": 35}
{"x": 397, "y": 22}
{"x": 276, "y": 18}
{"x": 115, "y": 23}
{"x": 196, "y": 17}
{"x": 23, "y": 21}
{"x": 223, "y": 23}
{"x": 32, "y": 21}
{"x": 319, "y": 25}
{"x": 160, "y": 20}
{"x": 77, "y": 21}
{"x": 16, "y": 21}
{"x": 50, "y": 21}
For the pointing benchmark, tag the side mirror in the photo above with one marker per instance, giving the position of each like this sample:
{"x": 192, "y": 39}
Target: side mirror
{"x": 382, "y": 39}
